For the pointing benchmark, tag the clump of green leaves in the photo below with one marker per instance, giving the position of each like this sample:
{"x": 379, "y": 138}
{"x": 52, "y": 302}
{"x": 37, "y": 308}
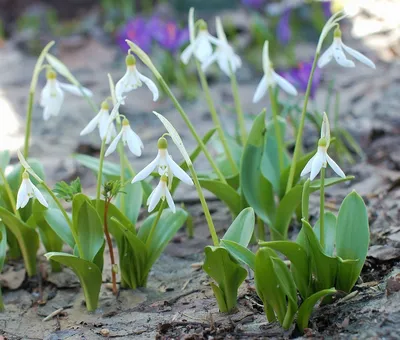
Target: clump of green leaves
{"x": 67, "y": 191}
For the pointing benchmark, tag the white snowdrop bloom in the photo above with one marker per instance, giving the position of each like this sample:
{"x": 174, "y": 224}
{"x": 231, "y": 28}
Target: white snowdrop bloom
{"x": 321, "y": 158}
{"x": 224, "y": 54}
{"x": 28, "y": 190}
{"x": 129, "y": 137}
{"x": 164, "y": 164}
{"x": 271, "y": 78}
{"x": 52, "y": 96}
{"x": 133, "y": 79}
{"x": 101, "y": 120}
{"x": 337, "y": 49}
{"x": 201, "y": 44}
{"x": 161, "y": 192}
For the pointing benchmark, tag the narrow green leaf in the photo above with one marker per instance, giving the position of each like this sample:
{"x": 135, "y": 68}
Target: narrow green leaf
{"x": 316, "y": 184}
{"x": 330, "y": 232}
{"x": 241, "y": 229}
{"x": 133, "y": 200}
{"x": 88, "y": 273}
{"x": 307, "y": 307}
{"x": 240, "y": 252}
{"x": 57, "y": 222}
{"x": 3, "y": 244}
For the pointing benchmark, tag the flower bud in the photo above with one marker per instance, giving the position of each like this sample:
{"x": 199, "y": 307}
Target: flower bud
{"x": 322, "y": 142}
{"x": 125, "y": 122}
{"x": 162, "y": 143}
{"x": 51, "y": 74}
{"x": 130, "y": 60}
{"x": 337, "y": 33}
{"x": 104, "y": 105}
{"x": 202, "y": 25}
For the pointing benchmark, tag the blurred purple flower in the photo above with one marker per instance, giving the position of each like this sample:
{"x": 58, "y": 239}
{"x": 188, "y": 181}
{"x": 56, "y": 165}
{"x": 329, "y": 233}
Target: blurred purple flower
{"x": 168, "y": 34}
{"x": 137, "y": 31}
{"x": 254, "y": 4}
{"x": 299, "y": 75}
{"x": 326, "y": 8}
{"x": 283, "y": 30}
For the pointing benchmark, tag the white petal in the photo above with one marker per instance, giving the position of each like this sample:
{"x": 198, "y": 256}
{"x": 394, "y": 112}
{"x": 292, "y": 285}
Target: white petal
{"x": 22, "y": 196}
{"x": 265, "y": 57}
{"x": 76, "y": 90}
{"x": 335, "y": 167}
{"x": 112, "y": 132}
{"x": 319, "y": 160}
{"x": 261, "y": 89}
{"x": 104, "y": 123}
{"x": 134, "y": 142}
{"x": 113, "y": 145}
{"x": 224, "y": 65}
{"x": 91, "y": 125}
{"x": 284, "y": 84}
{"x": 39, "y": 196}
{"x": 187, "y": 52}
{"x": 178, "y": 172}
{"x": 170, "y": 201}
{"x": 210, "y": 60}
{"x": 339, "y": 55}
{"x": 220, "y": 29}
{"x": 359, "y": 56}
{"x": 212, "y": 39}
{"x": 308, "y": 166}
{"x": 203, "y": 48}
{"x": 120, "y": 87}
{"x": 325, "y": 129}
{"x": 150, "y": 84}
{"x": 191, "y": 24}
{"x": 156, "y": 196}
{"x": 147, "y": 170}
{"x": 326, "y": 57}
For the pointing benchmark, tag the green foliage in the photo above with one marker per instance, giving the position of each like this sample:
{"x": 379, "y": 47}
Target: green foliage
{"x": 3, "y": 251}
{"x": 68, "y": 191}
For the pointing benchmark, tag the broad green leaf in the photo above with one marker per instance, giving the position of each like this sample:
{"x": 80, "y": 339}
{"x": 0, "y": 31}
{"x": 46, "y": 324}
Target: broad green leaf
{"x": 26, "y": 236}
{"x": 256, "y": 189}
{"x": 241, "y": 229}
{"x": 227, "y": 273}
{"x": 267, "y": 284}
{"x": 240, "y": 253}
{"x": 307, "y": 307}
{"x": 57, "y": 222}
{"x": 352, "y": 237}
{"x": 133, "y": 194}
{"x": 166, "y": 228}
{"x": 299, "y": 263}
{"x": 285, "y": 211}
{"x": 220, "y": 297}
{"x": 88, "y": 227}
{"x": 324, "y": 267}
{"x": 88, "y": 273}
{"x": 224, "y": 192}
{"x": 305, "y": 199}
{"x": 270, "y": 159}
{"x": 329, "y": 232}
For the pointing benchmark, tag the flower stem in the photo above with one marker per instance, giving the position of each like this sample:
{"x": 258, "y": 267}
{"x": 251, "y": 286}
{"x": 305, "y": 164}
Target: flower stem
{"x": 278, "y": 136}
{"x": 154, "y": 225}
{"x": 239, "y": 111}
{"x": 299, "y": 137}
{"x": 100, "y": 172}
{"x": 215, "y": 118}
{"x": 110, "y": 248}
{"x": 28, "y": 124}
{"x": 9, "y": 193}
{"x": 322, "y": 210}
{"x": 204, "y": 205}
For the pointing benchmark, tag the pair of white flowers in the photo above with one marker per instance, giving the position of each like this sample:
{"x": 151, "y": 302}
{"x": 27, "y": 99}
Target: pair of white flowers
{"x": 201, "y": 46}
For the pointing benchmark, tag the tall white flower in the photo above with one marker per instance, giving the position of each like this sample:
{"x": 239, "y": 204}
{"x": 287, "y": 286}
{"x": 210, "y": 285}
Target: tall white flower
{"x": 28, "y": 190}
{"x": 129, "y": 137}
{"x": 161, "y": 192}
{"x": 101, "y": 120}
{"x": 271, "y": 78}
{"x": 164, "y": 164}
{"x": 52, "y": 96}
{"x": 201, "y": 44}
{"x": 224, "y": 54}
{"x": 321, "y": 158}
{"x": 337, "y": 49}
{"x": 133, "y": 79}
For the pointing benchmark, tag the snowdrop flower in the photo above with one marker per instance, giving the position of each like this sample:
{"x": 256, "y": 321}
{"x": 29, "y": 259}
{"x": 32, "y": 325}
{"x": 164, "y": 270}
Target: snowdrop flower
{"x": 161, "y": 192}
{"x": 164, "y": 164}
{"x": 52, "y": 96}
{"x": 133, "y": 79}
{"x": 224, "y": 54}
{"x": 271, "y": 78}
{"x": 321, "y": 158}
{"x": 201, "y": 45}
{"x": 337, "y": 49}
{"x": 101, "y": 120}
{"x": 129, "y": 137}
{"x": 28, "y": 190}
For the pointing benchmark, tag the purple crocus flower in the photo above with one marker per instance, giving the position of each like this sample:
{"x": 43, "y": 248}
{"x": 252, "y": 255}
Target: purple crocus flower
{"x": 168, "y": 34}
{"x": 326, "y": 8}
{"x": 137, "y": 31}
{"x": 299, "y": 75}
{"x": 283, "y": 30}
{"x": 254, "y": 4}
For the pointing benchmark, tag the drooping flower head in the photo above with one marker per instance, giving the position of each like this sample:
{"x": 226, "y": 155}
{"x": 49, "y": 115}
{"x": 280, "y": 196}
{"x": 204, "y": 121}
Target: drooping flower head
{"x": 133, "y": 79}
{"x": 28, "y": 190}
{"x": 161, "y": 192}
{"x": 321, "y": 158}
{"x": 271, "y": 78}
{"x": 337, "y": 49}
{"x": 136, "y": 30}
{"x": 224, "y": 54}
